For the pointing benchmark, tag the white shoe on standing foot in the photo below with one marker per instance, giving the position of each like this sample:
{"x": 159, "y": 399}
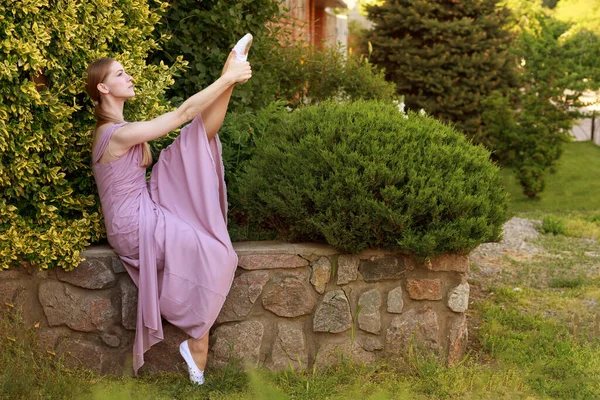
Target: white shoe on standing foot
{"x": 196, "y": 376}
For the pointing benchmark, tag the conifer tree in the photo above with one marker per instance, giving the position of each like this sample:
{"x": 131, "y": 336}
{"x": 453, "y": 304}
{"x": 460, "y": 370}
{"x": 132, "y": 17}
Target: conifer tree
{"x": 444, "y": 57}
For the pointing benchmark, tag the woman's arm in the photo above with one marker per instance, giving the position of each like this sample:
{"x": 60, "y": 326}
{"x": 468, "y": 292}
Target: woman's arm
{"x": 135, "y": 133}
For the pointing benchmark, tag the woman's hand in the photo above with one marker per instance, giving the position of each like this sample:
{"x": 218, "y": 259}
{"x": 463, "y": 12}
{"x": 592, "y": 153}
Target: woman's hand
{"x": 237, "y": 72}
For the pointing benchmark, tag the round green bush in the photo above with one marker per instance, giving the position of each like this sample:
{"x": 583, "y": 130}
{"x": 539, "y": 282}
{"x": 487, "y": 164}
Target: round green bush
{"x": 365, "y": 175}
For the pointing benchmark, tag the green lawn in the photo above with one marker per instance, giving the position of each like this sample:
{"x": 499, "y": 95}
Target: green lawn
{"x": 574, "y": 186}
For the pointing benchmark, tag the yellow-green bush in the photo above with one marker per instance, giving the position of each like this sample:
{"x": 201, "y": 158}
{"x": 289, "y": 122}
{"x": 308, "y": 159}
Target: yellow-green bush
{"x": 48, "y": 205}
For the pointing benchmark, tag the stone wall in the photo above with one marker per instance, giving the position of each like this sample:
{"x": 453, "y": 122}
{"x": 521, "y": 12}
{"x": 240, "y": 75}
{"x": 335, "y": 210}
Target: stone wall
{"x": 290, "y": 305}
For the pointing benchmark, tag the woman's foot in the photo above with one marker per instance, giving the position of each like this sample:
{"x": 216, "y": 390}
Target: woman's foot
{"x": 242, "y": 47}
{"x": 196, "y": 374}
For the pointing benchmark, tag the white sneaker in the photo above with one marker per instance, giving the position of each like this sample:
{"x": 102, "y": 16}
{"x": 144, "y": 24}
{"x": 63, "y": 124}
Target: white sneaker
{"x": 242, "y": 47}
{"x": 196, "y": 376}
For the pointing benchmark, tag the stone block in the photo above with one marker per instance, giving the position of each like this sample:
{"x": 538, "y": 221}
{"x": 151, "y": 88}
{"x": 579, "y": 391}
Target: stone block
{"x": 86, "y": 354}
{"x": 424, "y": 289}
{"x": 369, "y": 317}
{"x": 321, "y": 272}
{"x": 332, "y": 353}
{"x": 239, "y": 341}
{"x": 347, "y": 269}
{"x": 381, "y": 268}
{"x": 129, "y": 299}
{"x": 270, "y": 261}
{"x": 244, "y": 291}
{"x": 417, "y": 327}
{"x": 164, "y": 355}
{"x": 110, "y": 340}
{"x": 117, "y": 265}
{"x": 457, "y": 338}
{"x": 290, "y": 297}
{"x": 289, "y": 349}
{"x": 449, "y": 263}
{"x": 93, "y": 273}
{"x": 395, "y": 301}
{"x": 10, "y": 291}
{"x": 458, "y": 298}
{"x": 333, "y": 313}
{"x": 370, "y": 343}
{"x": 13, "y": 273}
{"x": 79, "y": 310}
{"x": 46, "y": 339}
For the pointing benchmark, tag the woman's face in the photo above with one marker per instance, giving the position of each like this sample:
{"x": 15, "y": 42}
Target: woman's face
{"x": 118, "y": 83}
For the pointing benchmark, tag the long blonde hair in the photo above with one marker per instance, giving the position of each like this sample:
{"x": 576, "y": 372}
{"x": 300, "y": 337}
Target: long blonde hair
{"x": 96, "y": 73}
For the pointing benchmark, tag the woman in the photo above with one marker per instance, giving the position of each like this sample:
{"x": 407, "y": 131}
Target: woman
{"x": 170, "y": 232}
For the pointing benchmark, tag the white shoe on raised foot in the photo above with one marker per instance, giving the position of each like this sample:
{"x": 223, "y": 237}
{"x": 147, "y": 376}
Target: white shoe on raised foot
{"x": 196, "y": 376}
{"x": 242, "y": 47}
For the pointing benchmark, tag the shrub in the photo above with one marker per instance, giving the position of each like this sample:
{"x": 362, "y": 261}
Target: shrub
{"x": 48, "y": 205}
{"x": 363, "y": 174}
{"x": 238, "y": 135}
{"x": 553, "y": 225}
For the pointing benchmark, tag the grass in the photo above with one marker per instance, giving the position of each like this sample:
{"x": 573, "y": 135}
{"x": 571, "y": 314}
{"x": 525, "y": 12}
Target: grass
{"x": 574, "y": 186}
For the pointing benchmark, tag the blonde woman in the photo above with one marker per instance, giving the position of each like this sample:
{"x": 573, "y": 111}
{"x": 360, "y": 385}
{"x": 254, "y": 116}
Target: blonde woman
{"x": 171, "y": 231}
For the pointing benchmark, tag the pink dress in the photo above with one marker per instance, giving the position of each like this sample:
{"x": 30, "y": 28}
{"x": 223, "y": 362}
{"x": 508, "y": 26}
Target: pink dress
{"x": 170, "y": 232}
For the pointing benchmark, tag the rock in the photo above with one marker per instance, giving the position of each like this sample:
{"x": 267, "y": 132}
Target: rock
{"x": 13, "y": 273}
{"x": 395, "y": 302}
{"x": 289, "y": 349}
{"x": 449, "y": 262}
{"x": 47, "y": 339}
{"x": 517, "y": 235}
{"x": 289, "y": 297}
{"x": 164, "y": 355}
{"x": 270, "y": 261}
{"x": 457, "y": 339}
{"x": 380, "y": 268}
{"x": 129, "y": 299}
{"x": 79, "y": 310}
{"x": 419, "y": 326}
{"x": 458, "y": 299}
{"x": 90, "y": 274}
{"x": 370, "y": 343}
{"x": 244, "y": 291}
{"x": 81, "y": 353}
{"x": 321, "y": 272}
{"x": 332, "y": 353}
{"x": 240, "y": 341}
{"x": 347, "y": 269}
{"x": 369, "y": 318}
{"x": 111, "y": 340}
{"x": 333, "y": 313}
{"x": 424, "y": 289}
{"x": 10, "y": 291}
{"x": 117, "y": 265}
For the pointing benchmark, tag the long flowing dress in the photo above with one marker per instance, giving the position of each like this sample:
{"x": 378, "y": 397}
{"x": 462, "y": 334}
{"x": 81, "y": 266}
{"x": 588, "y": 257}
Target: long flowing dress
{"x": 170, "y": 232}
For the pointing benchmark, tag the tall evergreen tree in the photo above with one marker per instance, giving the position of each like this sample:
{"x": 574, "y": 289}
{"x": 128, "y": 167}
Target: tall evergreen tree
{"x": 444, "y": 56}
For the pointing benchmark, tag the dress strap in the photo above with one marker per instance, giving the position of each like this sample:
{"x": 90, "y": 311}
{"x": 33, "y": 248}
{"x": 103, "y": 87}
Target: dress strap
{"x": 103, "y": 141}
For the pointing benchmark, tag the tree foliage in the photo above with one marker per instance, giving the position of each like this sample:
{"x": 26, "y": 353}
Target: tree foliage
{"x": 283, "y": 68}
{"x": 48, "y": 205}
{"x": 557, "y": 65}
{"x": 444, "y": 57}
